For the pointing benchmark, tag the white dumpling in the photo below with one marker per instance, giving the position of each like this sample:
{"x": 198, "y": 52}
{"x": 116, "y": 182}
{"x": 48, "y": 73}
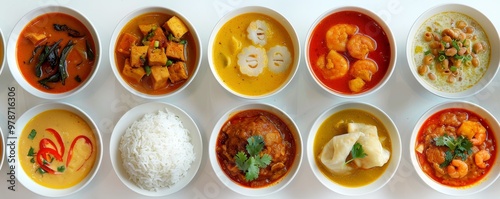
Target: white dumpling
{"x": 334, "y": 153}
{"x": 376, "y": 155}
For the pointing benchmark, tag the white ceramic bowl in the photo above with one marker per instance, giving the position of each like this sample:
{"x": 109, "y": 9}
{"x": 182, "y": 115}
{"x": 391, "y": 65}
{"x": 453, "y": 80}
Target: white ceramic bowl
{"x": 3, "y": 46}
{"x": 266, "y": 190}
{"x": 2, "y": 148}
{"x": 390, "y": 37}
{"x": 144, "y": 10}
{"x": 393, "y": 161}
{"x": 23, "y": 177}
{"x": 135, "y": 114}
{"x": 494, "y": 43}
{"x": 272, "y": 14}
{"x": 487, "y": 180}
{"x": 16, "y": 34}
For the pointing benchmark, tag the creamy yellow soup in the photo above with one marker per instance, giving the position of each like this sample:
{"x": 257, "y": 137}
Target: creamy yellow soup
{"x": 230, "y": 41}
{"x": 336, "y": 124}
{"x": 76, "y": 147}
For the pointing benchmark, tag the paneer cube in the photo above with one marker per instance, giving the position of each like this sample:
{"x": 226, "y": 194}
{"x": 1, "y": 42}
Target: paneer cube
{"x": 356, "y": 85}
{"x": 138, "y": 55}
{"x": 159, "y": 35}
{"x": 126, "y": 42}
{"x": 157, "y": 56}
{"x": 176, "y": 26}
{"x": 178, "y": 72}
{"x": 36, "y": 38}
{"x": 145, "y": 28}
{"x": 134, "y": 74}
{"x": 175, "y": 51}
{"x": 160, "y": 75}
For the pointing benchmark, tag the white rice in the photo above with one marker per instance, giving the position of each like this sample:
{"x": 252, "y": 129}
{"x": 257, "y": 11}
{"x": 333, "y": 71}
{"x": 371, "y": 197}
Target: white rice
{"x": 156, "y": 151}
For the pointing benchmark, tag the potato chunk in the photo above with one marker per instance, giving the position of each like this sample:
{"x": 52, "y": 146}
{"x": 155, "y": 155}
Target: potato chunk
{"x": 36, "y": 38}
{"x": 356, "y": 85}
{"x": 145, "y": 28}
{"x": 126, "y": 42}
{"x": 157, "y": 56}
{"x": 178, "y": 72}
{"x": 134, "y": 74}
{"x": 159, "y": 76}
{"x": 176, "y": 26}
{"x": 138, "y": 55}
{"x": 175, "y": 51}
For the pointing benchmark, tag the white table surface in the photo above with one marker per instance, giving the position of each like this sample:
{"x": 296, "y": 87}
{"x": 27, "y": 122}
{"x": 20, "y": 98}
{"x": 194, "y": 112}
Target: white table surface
{"x": 105, "y": 100}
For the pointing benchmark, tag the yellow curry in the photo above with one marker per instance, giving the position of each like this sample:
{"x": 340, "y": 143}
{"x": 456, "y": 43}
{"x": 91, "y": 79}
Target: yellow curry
{"x": 253, "y": 54}
{"x": 57, "y": 149}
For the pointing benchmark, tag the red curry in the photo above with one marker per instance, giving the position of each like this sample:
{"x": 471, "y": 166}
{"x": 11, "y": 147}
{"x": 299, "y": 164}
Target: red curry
{"x": 367, "y": 26}
{"x": 279, "y": 144}
{"x": 469, "y": 166}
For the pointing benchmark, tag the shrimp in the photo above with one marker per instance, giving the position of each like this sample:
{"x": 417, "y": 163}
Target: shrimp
{"x": 360, "y": 45}
{"x": 364, "y": 69}
{"x": 475, "y": 131}
{"x": 480, "y": 158}
{"x": 457, "y": 169}
{"x": 337, "y": 36}
{"x": 334, "y": 66}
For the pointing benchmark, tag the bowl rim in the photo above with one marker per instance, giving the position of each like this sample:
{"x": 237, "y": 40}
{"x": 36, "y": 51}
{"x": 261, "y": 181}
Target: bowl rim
{"x": 40, "y": 189}
{"x": 2, "y": 148}
{"x": 136, "y": 13}
{"x": 394, "y": 161}
{"x": 138, "y": 112}
{"x": 390, "y": 37}
{"x": 488, "y": 27}
{"x": 270, "y": 13}
{"x": 262, "y": 191}
{"x": 4, "y": 56}
{"x": 15, "y": 34}
{"x": 482, "y": 184}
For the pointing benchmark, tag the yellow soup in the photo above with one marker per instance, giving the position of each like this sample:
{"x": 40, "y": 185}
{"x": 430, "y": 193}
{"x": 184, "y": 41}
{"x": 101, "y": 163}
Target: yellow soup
{"x": 336, "y": 124}
{"x": 57, "y": 149}
{"x": 234, "y": 41}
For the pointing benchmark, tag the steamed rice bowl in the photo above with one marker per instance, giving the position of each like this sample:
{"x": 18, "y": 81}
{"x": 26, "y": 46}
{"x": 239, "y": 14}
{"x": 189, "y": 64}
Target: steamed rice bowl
{"x": 156, "y": 151}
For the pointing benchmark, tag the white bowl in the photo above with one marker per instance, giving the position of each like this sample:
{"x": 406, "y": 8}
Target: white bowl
{"x": 390, "y": 37}
{"x": 116, "y": 34}
{"x": 489, "y": 29}
{"x": 2, "y": 50}
{"x": 393, "y": 161}
{"x": 266, "y": 190}
{"x": 2, "y": 148}
{"x": 23, "y": 177}
{"x": 272, "y": 14}
{"x": 487, "y": 180}
{"x": 138, "y": 112}
{"x": 16, "y": 34}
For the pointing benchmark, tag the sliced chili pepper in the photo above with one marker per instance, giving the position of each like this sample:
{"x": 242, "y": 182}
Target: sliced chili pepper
{"x": 49, "y": 144}
{"x": 59, "y": 141}
{"x": 70, "y": 153}
{"x": 42, "y": 155}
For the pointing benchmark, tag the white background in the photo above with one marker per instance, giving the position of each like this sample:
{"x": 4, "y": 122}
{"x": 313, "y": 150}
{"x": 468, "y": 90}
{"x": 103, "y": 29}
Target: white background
{"x": 105, "y": 100}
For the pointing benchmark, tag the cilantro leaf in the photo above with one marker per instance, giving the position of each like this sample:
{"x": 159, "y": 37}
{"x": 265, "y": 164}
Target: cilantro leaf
{"x": 357, "y": 151}
{"x": 251, "y": 165}
{"x": 459, "y": 147}
{"x": 32, "y": 134}
{"x": 61, "y": 169}
{"x": 255, "y": 145}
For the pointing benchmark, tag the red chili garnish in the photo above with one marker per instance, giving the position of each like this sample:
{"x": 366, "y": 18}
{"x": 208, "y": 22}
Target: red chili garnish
{"x": 59, "y": 140}
{"x": 43, "y": 154}
{"x": 70, "y": 153}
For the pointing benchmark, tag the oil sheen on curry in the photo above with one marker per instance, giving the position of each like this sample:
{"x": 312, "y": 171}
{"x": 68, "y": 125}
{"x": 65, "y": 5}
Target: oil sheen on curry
{"x": 456, "y": 147}
{"x": 255, "y": 148}
{"x": 57, "y": 149}
{"x": 155, "y": 53}
{"x": 352, "y": 148}
{"x": 55, "y": 53}
{"x": 253, "y": 54}
{"x": 349, "y": 52}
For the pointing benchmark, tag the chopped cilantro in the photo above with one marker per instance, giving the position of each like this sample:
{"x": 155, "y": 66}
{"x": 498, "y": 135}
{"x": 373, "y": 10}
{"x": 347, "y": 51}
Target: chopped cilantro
{"x": 31, "y": 152}
{"x": 32, "y": 134}
{"x": 252, "y": 165}
{"x": 459, "y": 147}
{"x": 357, "y": 152}
{"x": 61, "y": 169}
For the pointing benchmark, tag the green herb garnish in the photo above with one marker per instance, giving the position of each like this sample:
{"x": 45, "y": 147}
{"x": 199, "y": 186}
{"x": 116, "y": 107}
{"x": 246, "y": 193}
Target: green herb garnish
{"x": 148, "y": 70}
{"x": 31, "y": 152}
{"x": 357, "y": 152}
{"x": 61, "y": 169}
{"x": 459, "y": 147}
{"x": 32, "y": 134}
{"x": 252, "y": 165}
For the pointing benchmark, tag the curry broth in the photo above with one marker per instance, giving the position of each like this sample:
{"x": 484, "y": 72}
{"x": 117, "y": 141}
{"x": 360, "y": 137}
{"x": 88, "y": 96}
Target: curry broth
{"x": 78, "y": 66}
{"x": 332, "y": 126}
{"x": 69, "y": 126}
{"x": 132, "y": 27}
{"x": 223, "y": 48}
